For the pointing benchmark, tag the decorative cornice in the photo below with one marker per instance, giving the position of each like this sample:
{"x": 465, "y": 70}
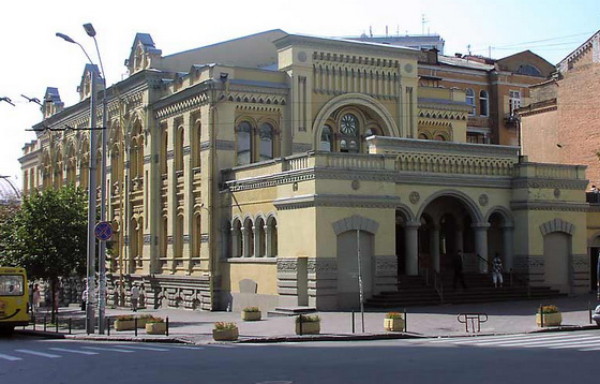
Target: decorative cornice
{"x": 181, "y": 106}
{"x": 336, "y": 200}
{"x": 225, "y": 145}
{"x": 576, "y": 185}
{"x": 548, "y": 206}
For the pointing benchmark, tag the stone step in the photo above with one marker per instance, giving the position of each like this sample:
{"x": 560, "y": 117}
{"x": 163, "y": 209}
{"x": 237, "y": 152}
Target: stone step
{"x": 290, "y": 311}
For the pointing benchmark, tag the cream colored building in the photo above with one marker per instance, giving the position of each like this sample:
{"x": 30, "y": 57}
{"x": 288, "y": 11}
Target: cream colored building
{"x": 258, "y": 171}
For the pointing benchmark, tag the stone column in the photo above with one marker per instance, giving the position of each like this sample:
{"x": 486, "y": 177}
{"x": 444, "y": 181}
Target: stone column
{"x": 435, "y": 247}
{"x": 508, "y": 245}
{"x": 481, "y": 245}
{"x": 412, "y": 248}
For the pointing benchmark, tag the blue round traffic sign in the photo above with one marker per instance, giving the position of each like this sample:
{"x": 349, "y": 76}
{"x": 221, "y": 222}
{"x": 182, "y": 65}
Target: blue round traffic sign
{"x": 103, "y": 231}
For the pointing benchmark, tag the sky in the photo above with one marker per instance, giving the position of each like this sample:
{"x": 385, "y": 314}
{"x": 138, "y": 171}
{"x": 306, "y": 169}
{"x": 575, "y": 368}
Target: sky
{"x": 33, "y": 58}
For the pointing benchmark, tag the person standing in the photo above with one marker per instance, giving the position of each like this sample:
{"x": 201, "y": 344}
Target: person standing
{"x": 36, "y": 298}
{"x": 457, "y": 263}
{"x": 135, "y": 295}
{"x": 497, "y": 271}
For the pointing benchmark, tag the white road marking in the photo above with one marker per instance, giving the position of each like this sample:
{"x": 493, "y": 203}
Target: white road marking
{"x": 144, "y": 348}
{"x": 10, "y": 358}
{"x": 74, "y": 351}
{"x": 36, "y": 353}
{"x": 108, "y": 349}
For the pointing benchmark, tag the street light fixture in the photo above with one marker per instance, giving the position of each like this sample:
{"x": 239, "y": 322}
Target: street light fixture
{"x": 91, "y": 241}
{"x": 7, "y": 99}
{"x": 91, "y": 32}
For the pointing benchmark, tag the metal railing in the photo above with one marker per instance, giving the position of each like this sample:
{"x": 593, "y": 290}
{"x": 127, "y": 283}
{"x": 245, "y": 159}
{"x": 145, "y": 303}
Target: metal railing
{"x": 520, "y": 278}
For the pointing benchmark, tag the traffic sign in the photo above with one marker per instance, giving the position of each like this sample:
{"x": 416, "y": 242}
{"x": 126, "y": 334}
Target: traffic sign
{"x": 103, "y": 231}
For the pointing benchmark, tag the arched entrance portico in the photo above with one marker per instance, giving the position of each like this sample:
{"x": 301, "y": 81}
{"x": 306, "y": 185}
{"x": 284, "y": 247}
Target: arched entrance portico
{"x": 447, "y": 222}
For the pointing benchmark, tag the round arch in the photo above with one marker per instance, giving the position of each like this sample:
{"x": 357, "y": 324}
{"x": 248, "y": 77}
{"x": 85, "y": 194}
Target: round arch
{"x": 471, "y": 206}
{"x": 349, "y": 99}
{"x": 502, "y": 211}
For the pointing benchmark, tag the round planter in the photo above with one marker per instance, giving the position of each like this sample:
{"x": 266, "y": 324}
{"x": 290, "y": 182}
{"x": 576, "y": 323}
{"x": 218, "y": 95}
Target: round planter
{"x": 393, "y": 325}
{"x": 251, "y": 316}
{"x": 550, "y": 319}
{"x": 308, "y": 328}
{"x": 156, "y": 328}
{"x": 225, "y": 334}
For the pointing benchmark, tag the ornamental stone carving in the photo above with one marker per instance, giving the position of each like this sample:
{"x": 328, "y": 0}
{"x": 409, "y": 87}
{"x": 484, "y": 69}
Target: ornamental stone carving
{"x": 414, "y": 197}
{"x": 483, "y": 199}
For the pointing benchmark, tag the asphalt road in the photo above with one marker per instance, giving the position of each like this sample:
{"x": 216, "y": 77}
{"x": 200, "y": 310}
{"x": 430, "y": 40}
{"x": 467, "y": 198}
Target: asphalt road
{"x": 549, "y": 358}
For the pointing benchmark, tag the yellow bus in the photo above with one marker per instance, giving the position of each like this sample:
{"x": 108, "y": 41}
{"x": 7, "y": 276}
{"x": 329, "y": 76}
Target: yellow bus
{"x": 14, "y": 299}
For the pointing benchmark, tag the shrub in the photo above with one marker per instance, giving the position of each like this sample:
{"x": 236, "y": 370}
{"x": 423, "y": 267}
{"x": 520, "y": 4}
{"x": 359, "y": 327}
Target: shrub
{"x": 308, "y": 319}
{"x": 124, "y": 317}
{"x": 548, "y": 309}
{"x": 145, "y": 316}
{"x": 153, "y": 319}
{"x": 225, "y": 325}
{"x": 251, "y": 309}
{"x": 394, "y": 315}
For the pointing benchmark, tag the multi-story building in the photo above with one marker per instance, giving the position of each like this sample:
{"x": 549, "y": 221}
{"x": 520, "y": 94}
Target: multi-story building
{"x": 260, "y": 170}
{"x": 561, "y": 124}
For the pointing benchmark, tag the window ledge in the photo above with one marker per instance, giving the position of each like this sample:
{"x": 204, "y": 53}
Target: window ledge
{"x": 258, "y": 260}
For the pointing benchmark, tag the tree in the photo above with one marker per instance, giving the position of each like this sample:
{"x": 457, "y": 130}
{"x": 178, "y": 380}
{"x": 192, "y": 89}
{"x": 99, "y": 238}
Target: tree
{"x": 47, "y": 235}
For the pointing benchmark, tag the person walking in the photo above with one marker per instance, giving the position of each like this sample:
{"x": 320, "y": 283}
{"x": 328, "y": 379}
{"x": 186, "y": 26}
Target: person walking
{"x": 457, "y": 263}
{"x": 135, "y": 295}
{"x": 497, "y": 271}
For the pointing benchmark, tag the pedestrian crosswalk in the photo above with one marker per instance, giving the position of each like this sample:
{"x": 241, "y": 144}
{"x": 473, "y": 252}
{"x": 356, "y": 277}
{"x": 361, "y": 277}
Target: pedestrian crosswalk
{"x": 580, "y": 341}
{"x": 57, "y": 352}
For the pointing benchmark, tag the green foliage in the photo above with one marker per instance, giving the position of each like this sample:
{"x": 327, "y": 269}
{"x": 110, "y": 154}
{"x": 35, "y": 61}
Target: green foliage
{"x": 225, "y": 325}
{"x": 549, "y": 309}
{"x": 251, "y": 309}
{"x": 47, "y": 235}
{"x": 308, "y": 319}
{"x": 394, "y": 315}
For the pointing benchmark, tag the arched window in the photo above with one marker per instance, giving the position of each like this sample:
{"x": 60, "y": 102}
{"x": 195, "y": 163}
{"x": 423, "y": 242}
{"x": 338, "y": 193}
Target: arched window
{"x": 470, "y": 99}
{"x": 244, "y": 143}
{"x": 259, "y": 238}
{"x": 272, "y": 241}
{"x": 266, "y": 141}
{"x": 236, "y": 239}
{"x": 326, "y": 141}
{"x": 484, "y": 105}
{"x": 248, "y": 238}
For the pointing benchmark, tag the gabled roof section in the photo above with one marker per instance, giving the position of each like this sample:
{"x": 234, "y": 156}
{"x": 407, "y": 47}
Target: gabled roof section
{"x": 85, "y": 86}
{"x": 143, "y": 53}
{"x": 52, "y": 102}
{"x": 590, "y": 47}
{"x": 526, "y": 63}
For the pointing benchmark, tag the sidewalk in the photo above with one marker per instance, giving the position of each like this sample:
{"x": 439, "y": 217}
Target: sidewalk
{"x": 432, "y": 321}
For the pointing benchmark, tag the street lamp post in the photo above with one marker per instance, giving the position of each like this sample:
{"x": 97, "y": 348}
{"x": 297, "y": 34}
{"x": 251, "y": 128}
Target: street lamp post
{"x": 91, "y": 240}
{"x": 89, "y": 29}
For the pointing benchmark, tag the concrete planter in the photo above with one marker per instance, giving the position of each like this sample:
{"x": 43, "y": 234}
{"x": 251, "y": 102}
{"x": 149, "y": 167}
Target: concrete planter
{"x": 308, "y": 328}
{"x": 225, "y": 334}
{"x": 156, "y": 328}
{"x": 251, "y": 316}
{"x": 393, "y": 325}
{"x": 124, "y": 325}
{"x": 550, "y": 319}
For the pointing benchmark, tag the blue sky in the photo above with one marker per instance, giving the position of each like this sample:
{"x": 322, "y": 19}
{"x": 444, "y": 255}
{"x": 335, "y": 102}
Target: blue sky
{"x": 34, "y": 58}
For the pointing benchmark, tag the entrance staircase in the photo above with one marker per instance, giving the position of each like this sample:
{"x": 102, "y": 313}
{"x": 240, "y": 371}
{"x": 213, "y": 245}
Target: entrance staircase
{"x": 415, "y": 291}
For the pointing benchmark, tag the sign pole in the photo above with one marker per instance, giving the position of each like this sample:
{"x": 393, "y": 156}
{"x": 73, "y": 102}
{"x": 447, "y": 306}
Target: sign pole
{"x": 360, "y": 283}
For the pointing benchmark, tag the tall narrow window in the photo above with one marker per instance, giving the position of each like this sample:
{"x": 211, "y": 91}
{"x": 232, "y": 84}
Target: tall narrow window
{"x": 179, "y": 140}
{"x": 244, "y": 143}
{"x": 484, "y": 105}
{"x": 470, "y": 99}
{"x": 266, "y": 141}
{"x": 326, "y": 142}
{"x": 514, "y": 101}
